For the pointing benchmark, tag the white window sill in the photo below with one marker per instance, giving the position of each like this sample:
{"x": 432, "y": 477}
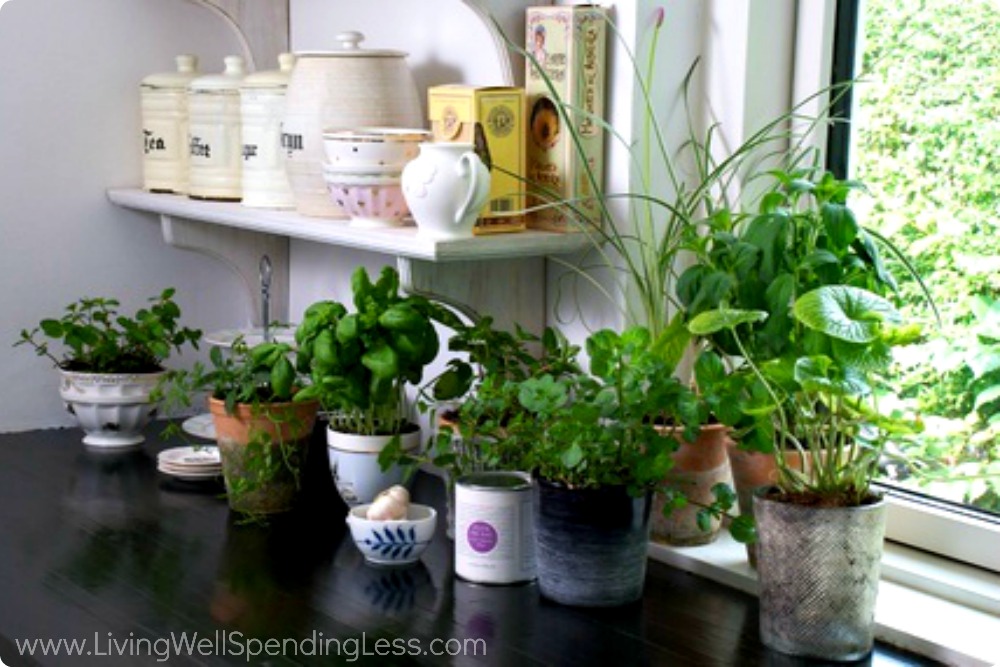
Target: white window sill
{"x": 927, "y": 605}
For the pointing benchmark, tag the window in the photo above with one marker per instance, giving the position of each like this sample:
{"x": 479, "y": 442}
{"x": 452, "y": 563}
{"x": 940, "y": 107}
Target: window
{"x": 923, "y": 136}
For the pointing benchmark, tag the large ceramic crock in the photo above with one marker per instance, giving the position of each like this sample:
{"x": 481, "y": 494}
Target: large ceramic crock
{"x": 344, "y": 89}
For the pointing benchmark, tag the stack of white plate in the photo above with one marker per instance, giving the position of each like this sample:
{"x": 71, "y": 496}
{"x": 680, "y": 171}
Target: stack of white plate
{"x": 190, "y": 463}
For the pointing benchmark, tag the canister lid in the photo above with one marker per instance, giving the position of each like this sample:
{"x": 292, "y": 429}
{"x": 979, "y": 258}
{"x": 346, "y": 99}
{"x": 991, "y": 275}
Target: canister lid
{"x": 187, "y": 69}
{"x": 350, "y": 47}
{"x": 230, "y": 79}
{"x": 273, "y": 78}
{"x": 495, "y": 481}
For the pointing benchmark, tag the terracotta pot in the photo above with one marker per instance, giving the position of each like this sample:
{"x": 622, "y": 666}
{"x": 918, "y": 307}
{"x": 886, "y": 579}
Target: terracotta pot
{"x": 751, "y": 471}
{"x": 284, "y": 425}
{"x": 698, "y": 466}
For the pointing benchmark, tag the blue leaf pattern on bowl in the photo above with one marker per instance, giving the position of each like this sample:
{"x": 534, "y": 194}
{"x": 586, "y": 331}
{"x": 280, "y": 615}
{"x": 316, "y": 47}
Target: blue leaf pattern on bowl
{"x": 395, "y": 545}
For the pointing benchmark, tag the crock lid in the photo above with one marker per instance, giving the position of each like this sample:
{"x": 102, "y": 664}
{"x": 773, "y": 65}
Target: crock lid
{"x": 187, "y": 69}
{"x": 230, "y": 79}
{"x": 350, "y": 43}
{"x": 272, "y": 78}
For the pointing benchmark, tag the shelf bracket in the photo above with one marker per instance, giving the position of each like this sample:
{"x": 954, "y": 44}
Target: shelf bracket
{"x": 240, "y": 250}
{"x": 512, "y": 291}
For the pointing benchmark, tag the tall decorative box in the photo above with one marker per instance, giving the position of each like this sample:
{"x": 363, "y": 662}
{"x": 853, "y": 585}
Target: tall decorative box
{"x": 569, "y": 44}
{"x": 455, "y": 110}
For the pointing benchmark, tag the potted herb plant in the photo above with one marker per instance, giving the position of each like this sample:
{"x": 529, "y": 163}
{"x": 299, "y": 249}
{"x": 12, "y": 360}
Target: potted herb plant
{"x": 263, "y": 434}
{"x": 476, "y": 395}
{"x": 360, "y": 364}
{"x": 592, "y": 443}
{"x": 821, "y": 526}
{"x": 804, "y": 236}
{"x": 111, "y": 363}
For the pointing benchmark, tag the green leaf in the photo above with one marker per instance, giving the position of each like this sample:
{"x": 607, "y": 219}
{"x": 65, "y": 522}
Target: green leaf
{"x": 454, "y": 382}
{"x": 382, "y": 361}
{"x": 52, "y": 328}
{"x": 821, "y": 375}
{"x": 282, "y": 378}
{"x": 703, "y": 519}
{"x": 845, "y": 312}
{"x": 743, "y": 529}
{"x": 840, "y": 223}
{"x": 769, "y": 232}
{"x": 401, "y": 317}
{"x": 987, "y": 396}
{"x": 709, "y": 369}
{"x": 573, "y": 456}
{"x": 324, "y": 350}
{"x": 714, "y": 321}
{"x": 348, "y": 328}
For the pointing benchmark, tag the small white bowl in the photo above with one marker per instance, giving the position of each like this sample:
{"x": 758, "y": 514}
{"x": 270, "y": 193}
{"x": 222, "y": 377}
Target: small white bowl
{"x": 373, "y": 146}
{"x": 393, "y": 542}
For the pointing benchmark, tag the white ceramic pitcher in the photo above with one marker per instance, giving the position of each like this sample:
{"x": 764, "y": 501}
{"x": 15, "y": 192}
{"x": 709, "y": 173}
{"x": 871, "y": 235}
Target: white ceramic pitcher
{"x": 445, "y": 188}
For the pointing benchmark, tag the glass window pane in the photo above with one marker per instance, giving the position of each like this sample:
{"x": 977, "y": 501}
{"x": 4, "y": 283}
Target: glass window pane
{"x": 926, "y": 141}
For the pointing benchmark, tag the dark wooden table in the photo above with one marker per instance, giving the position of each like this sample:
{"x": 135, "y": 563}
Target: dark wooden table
{"x": 103, "y": 550}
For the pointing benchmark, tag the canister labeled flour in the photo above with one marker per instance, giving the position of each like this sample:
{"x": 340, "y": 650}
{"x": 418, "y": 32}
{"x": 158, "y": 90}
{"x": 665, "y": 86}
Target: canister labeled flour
{"x": 494, "y": 528}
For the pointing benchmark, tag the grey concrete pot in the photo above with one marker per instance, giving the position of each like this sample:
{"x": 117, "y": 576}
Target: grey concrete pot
{"x": 591, "y": 544}
{"x": 819, "y": 570}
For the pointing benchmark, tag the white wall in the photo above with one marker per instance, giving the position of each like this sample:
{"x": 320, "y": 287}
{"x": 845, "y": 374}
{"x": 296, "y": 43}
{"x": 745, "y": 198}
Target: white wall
{"x": 69, "y": 113}
{"x": 69, "y": 129}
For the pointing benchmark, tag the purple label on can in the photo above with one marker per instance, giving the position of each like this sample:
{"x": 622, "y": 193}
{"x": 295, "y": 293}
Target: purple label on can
{"x": 482, "y": 536}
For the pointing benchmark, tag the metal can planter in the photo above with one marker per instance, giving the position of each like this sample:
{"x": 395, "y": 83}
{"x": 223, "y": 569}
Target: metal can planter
{"x": 818, "y": 570}
{"x": 494, "y": 528}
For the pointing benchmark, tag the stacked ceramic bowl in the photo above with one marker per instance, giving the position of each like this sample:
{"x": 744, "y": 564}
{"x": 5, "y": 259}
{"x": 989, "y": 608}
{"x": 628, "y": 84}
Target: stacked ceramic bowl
{"x": 362, "y": 172}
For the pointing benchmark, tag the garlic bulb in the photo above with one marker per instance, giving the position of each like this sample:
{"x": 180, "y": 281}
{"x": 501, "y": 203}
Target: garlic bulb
{"x": 392, "y": 504}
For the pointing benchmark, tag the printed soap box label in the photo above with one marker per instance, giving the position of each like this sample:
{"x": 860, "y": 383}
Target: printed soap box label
{"x": 564, "y": 84}
{"x": 492, "y": 119}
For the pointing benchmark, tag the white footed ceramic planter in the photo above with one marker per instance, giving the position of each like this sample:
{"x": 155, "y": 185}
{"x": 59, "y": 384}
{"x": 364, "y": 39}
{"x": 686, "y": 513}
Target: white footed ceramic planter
{"x": 445, "y": 188}
{"x": 112, "y": 408}
{"x": 354, "y": 464}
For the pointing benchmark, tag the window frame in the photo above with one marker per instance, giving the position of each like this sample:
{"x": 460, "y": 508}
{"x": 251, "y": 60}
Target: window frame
{"x": 915, "y": 519}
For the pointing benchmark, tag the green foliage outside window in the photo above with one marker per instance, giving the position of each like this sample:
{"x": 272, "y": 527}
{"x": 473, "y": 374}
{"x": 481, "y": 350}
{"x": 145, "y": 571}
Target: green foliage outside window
{"x": 928, "y": 146}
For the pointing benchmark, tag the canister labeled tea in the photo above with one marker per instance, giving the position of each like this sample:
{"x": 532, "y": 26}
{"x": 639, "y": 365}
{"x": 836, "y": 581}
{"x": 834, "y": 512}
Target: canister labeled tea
{"x": 494, "y": 528}
{"x": 163, "y": 99}
{"x": 262, "y": 96}
{"x": 215, "y": 141}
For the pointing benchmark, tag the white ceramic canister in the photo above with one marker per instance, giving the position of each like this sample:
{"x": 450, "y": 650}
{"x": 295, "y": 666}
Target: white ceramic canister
{"x": 344, "y": 89}
{"x": 215, "y": 141}
{"x": 262, "y": 107}
{"x": 494, "y": 528}
{"x": 164, "y": 104}
{"x": 445, "y": 187}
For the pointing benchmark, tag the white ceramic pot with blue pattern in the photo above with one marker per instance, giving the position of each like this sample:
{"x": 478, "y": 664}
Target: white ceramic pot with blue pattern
{"x": 355, "y": 467}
